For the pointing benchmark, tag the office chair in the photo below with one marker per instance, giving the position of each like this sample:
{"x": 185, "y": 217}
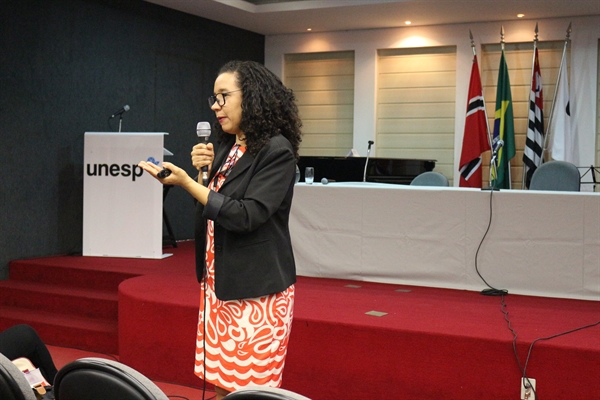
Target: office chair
{"x": 264, "y": 393}
{"x": 556, "y": 176}
{"x": 100, "y": 379}
{"x": 430, "y": 178}
{"x": 13, "y": 384}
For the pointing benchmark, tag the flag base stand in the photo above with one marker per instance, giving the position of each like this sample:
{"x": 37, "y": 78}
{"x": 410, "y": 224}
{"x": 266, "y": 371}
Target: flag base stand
{"x": 490, "y": 188}
{"x": 494, "y": 292}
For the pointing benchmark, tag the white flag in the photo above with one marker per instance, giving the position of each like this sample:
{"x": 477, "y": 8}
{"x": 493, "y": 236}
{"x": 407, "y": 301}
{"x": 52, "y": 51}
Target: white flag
{"x": 563, "y": 146}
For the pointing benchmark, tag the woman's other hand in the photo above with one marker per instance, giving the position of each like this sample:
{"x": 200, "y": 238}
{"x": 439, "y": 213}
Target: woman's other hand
{"x": 177, "y": 176}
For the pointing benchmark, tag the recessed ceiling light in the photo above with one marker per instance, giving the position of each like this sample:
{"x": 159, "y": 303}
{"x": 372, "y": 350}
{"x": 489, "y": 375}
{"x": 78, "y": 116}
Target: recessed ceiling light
{"x": 407, "y": 22}
{"x": 520, "y": 15}
{"x": 309, "y": 29}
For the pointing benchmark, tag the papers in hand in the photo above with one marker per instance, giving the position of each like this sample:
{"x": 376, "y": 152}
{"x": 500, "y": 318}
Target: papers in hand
{"x": 32, "y": 374}
{"x": 35, "y": 378}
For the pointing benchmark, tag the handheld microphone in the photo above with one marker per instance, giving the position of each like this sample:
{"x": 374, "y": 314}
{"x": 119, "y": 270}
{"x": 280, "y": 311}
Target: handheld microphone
{"x": 121, "y": 111}
{"x": 203, "y": 132}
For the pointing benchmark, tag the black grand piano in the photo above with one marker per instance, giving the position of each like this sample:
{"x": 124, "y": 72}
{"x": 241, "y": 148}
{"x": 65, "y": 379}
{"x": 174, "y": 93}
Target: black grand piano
{"x": 352, "y": 169}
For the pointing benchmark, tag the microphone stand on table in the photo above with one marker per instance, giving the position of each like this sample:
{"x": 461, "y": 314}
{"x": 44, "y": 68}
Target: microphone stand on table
{"x": 367, "y": 160}
{"x": 494, "y": 165}
{"x": 120, "y": 114}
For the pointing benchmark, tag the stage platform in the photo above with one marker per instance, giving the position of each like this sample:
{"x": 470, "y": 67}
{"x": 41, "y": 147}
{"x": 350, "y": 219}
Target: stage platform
{"x": 348, "y": 337}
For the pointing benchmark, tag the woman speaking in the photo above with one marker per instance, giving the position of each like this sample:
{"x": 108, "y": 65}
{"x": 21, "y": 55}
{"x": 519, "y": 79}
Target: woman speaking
{"x": 244, "y": 257}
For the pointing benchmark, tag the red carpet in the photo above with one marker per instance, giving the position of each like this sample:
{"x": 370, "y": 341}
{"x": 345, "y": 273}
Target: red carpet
{"x": 432, "y": 343}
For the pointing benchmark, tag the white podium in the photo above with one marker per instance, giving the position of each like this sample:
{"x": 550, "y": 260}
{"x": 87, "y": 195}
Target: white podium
{"x": 122, "y": 205}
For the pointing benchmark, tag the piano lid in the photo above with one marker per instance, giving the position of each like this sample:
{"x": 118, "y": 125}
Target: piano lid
{"x": 351, "y": 169}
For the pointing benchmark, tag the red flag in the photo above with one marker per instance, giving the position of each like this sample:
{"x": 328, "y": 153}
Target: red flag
{"x": 475, "y": 139}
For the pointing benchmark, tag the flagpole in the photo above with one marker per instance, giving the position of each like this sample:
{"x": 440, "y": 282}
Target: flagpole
{"x": 487, "y": 122}
{"x": 564, "y": 54}
{"x": 535, "y": 41}
{"x": 494, "y": 160}
{"x": 476, "y": 138}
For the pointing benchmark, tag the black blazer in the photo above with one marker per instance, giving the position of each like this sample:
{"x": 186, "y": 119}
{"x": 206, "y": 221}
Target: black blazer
{"x": 253, "y": 249}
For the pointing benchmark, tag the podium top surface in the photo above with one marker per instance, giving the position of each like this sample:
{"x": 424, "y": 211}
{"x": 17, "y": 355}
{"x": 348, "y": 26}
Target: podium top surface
{"x": 126, "y": 133}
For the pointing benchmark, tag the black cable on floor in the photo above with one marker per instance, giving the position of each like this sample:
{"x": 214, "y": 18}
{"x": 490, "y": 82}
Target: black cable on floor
{"x": 492, "y": 291}
{"x": 205, "y": 285}
{"x": 523, "y": 369}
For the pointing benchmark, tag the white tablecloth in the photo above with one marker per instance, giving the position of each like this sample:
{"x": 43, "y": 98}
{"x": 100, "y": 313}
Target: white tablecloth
{"x": 539, "y": 243}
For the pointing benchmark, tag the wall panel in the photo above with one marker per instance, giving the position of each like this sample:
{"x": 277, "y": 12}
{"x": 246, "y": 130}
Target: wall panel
{"x": 66, "y": 66}
{"x": 324, "y": 87}
{"x": 415, "y": 105}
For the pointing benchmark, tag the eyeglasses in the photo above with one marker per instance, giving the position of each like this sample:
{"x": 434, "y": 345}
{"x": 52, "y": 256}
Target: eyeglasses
{"x": 219, "y": 98}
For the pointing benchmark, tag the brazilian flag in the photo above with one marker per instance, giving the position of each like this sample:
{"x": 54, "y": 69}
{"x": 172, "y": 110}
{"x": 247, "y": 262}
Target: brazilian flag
{"x": 504, "y": 130}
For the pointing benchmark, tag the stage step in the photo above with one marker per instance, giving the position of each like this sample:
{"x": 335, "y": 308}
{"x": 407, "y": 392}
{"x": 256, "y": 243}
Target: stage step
{"x": 91, "y": 334}
{"x": 43, "y": 270}
{"x": 70, "y": 304}
{"x": 51, "y": 298}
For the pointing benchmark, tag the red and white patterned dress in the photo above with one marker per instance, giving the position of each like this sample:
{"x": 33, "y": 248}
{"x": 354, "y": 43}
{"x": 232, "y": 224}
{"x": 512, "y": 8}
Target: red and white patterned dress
{"x": 246, "y": 340}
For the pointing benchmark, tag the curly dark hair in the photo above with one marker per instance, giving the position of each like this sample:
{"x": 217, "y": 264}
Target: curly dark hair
{"x": 268, "y": 107}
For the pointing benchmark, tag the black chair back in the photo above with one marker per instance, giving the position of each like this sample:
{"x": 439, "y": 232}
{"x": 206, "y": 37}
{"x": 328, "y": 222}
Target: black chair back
{"x": 264, "y": 394}
{"x": 99, "y": 379}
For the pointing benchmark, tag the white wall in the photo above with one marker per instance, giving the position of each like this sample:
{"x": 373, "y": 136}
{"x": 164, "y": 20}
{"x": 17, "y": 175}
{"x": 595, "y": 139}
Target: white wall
{"x": 365, "y": 43}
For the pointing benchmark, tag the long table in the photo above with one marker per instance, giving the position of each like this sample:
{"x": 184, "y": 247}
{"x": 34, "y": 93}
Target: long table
{"x": 538, "y": 243}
